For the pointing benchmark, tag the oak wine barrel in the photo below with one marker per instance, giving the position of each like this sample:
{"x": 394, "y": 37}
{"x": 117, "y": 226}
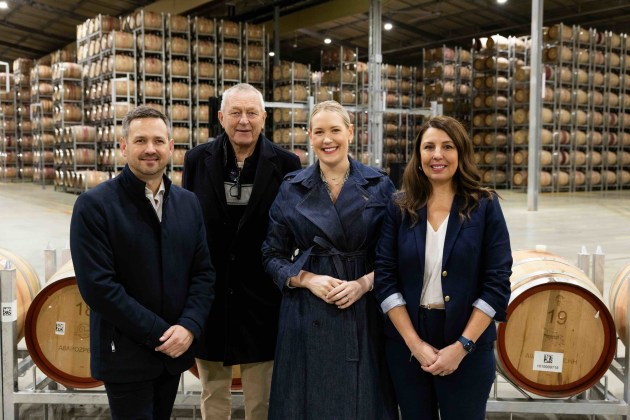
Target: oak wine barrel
{"x": 26, "y": 288}
{"x": 58, "y": 331}
{"x": 560, "y": 337}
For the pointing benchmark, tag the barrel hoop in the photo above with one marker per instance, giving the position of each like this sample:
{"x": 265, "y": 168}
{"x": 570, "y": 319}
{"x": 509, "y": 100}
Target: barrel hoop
{"x": 551, "y": 276}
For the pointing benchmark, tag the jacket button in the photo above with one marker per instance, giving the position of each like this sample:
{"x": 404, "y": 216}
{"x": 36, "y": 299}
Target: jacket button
{"x": 232, "y": 257}
{"x": 230, "y": 291}
{"x": 447, "y": 298}
{"x": 316, "y": 323}
{"x": 444, "y": 273}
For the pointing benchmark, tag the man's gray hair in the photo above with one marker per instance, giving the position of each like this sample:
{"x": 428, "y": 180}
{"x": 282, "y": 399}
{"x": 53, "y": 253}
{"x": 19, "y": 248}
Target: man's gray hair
{"x": 241, "y": 87}
{"x": 144, "y": 111}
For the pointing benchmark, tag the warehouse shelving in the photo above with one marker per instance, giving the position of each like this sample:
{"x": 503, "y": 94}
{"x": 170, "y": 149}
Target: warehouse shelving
{"x": 291, "y": 85}
{"x": 179, "y": 95}
{"x": 204, "y": 74}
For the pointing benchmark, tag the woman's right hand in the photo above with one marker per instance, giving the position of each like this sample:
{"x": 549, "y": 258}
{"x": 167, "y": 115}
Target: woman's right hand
{"x": 319, "y": 285}
{"x": 425, "y": 353}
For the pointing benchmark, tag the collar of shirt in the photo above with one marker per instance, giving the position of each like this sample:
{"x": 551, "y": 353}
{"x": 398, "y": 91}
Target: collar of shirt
{"x": 156, "y": 200}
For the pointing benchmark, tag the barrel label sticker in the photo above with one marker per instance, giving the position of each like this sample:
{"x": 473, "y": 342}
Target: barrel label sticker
{"x": 548, "y": 361}
{"x": 60, "y": 328}
{"x": 9, "y": 311}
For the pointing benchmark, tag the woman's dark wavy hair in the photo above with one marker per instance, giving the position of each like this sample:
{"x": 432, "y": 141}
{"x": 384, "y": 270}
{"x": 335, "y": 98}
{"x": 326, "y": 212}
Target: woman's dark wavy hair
{"x": 416, "y": 188}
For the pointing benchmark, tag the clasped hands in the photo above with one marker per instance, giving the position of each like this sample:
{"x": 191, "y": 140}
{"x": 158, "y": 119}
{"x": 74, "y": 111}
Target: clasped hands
{"x": 439, "y": 362}
{"x": 342, "y": 293}
{"x": 175, "y": 341}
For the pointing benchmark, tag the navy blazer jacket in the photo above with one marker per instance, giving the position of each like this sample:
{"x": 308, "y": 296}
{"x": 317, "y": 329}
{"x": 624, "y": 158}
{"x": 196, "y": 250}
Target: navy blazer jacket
{"x": 477, "y": 263}
{"x": 139, "y": 276}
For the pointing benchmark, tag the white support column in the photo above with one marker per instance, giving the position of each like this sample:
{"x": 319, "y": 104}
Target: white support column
{"x": 535, "y": 107}
{"x": 375, "y": 100}
{"x": 8, "y": 279}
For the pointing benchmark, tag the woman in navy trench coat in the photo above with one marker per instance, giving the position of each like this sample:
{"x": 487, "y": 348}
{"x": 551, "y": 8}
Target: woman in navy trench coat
{"x": 320, "y": 247}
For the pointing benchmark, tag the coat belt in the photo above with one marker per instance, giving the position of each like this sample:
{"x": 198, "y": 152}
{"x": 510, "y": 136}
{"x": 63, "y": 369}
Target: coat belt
{"x": 323, "y": 247}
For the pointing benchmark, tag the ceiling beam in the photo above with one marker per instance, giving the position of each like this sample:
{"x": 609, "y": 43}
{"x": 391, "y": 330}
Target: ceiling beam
{"x": 37, "y": 32}
{"x": 176, "y": 7}
{"x": 322, "y": 13}
{"x": 19, "y": 49}
{"x": 52, "y": 9}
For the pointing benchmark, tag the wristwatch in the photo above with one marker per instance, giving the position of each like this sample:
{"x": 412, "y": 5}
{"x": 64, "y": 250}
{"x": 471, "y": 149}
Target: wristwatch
{"x": 469, "y": 345}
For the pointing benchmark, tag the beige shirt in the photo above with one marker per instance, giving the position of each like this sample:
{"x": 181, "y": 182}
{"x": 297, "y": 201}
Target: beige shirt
{"x": 156, "y": 200}
{"x": 432, "y": 284}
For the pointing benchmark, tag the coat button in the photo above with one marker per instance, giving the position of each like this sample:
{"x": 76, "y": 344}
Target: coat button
{"x": 316, "y": 323}
{"x": 447, "y": 298}
{"x": 230, "y": 291}
{"x": 444, "y": 273}
{"x": 232, "y": 257}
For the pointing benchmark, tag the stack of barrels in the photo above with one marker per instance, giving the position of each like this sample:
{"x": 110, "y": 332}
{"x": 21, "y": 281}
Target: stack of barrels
{"x": 9, "y": 153}
{"x": 204, "y": 74}
{"x": 229, "y": 56}
{"x": 68, "y": 112}
{"x": 23, "y": 124}
{"x": 254, "y": 57}
{"x": 447, "y": 77}
{"x": 44, "y": 126}
{"x": 586, "y": 125}
{"x": 291, "y": 83}
{"x": 178, "y": 89}
{"x": 494, "y": 61}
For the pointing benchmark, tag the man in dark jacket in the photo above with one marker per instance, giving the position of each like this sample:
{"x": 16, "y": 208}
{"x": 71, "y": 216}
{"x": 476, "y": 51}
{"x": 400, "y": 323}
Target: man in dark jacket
{"x": 142, "y": 265}
{"x": 236, "y": 178}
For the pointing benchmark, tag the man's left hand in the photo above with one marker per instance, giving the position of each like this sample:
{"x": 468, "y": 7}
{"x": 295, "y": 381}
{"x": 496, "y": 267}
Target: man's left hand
{"x": 176, "y": 341}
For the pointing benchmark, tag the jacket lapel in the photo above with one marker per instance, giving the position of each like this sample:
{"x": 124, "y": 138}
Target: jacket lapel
{"x": 452, "y": 230}
{"x": 318, "y": 208}
{"x": 214, "y": 166}
{"x": 420, "y": 232}
{"x": 265, "y": 169}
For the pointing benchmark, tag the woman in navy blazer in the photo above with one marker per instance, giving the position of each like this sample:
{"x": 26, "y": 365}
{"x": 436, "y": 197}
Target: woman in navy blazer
{"x": 442, "y": 276}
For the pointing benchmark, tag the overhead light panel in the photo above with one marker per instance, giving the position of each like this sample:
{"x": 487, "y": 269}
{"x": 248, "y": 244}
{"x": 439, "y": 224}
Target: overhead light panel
{"x": 327, "y": 40}
{"x": 388, "y": 26}
{"x": 501, "y": 1}
{"x": 4, "y": 5}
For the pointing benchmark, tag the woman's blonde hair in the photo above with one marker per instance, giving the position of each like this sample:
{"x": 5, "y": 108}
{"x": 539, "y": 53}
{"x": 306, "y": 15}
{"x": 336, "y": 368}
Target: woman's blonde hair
{"x": 330, "y": 106}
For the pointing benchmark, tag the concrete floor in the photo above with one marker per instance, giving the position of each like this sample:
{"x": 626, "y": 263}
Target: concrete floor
{"x": 33, "y": 218}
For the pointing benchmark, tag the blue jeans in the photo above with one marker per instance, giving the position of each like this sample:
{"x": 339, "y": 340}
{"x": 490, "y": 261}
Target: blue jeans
{"x": 460, "y": 395}
{"x": 145, "y": 400}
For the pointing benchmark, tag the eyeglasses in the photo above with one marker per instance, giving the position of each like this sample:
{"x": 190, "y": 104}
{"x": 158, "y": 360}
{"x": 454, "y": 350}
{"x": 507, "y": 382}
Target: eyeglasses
{"x": 235, "y": 190}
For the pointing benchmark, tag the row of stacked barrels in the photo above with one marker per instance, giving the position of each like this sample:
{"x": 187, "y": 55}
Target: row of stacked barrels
{"x": 553, "y": 305}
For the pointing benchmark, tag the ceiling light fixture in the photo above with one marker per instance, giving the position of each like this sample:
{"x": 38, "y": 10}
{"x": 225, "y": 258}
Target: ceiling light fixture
{"x": 388, "y": 26}
{"x": 272, "y": 54}
{"x": 501, "y": 1}
{"x": 327, "y": 40}
{"x": 4, "y": 5}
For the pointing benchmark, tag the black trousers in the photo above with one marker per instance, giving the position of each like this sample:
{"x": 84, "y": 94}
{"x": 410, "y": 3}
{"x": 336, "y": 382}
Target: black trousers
{"x": 460, "y": 395}
{"x": 145, "y": 400}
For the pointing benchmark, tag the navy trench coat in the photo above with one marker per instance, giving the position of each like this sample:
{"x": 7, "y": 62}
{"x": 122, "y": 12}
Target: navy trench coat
{"x": 329, "y": 362}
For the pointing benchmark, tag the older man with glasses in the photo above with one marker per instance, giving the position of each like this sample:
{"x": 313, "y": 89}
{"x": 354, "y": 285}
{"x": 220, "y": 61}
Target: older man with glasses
{"x": 236, "y": 178}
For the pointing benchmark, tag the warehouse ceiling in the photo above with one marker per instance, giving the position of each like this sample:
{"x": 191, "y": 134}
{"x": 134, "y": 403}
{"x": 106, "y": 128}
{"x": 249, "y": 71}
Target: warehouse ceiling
{"x": 33, "y": 28}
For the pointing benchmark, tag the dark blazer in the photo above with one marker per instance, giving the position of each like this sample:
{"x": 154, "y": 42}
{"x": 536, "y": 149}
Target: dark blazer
{"x": 139, "y": 276}
{"x": 477, "y": 263}
{"x": 243, "y": 322}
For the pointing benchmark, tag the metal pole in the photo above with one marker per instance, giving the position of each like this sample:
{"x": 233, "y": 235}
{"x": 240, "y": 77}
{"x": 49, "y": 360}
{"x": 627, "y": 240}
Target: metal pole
{"x": 583, "y": 260}
{"x": 535, "y": 107}
{"x": 375, "y": 103}
{"x": 50, "y": 262}
{"x": 8, "y": 279}
{"x": 276, "y": 36}
{"x": 597, "y": 276}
